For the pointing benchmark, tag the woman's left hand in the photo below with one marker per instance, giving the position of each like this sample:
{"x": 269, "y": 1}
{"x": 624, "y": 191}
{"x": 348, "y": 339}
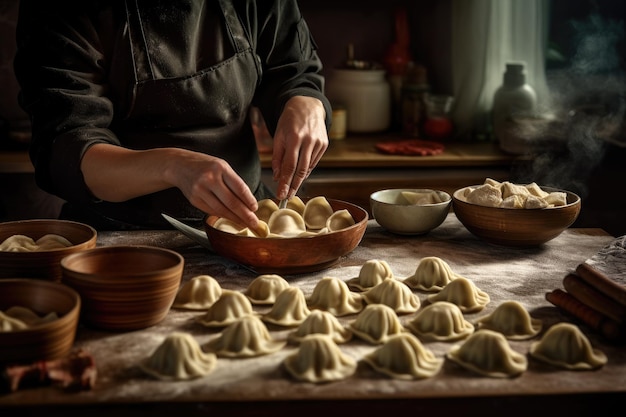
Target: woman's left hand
{"x": 299, "y": 143}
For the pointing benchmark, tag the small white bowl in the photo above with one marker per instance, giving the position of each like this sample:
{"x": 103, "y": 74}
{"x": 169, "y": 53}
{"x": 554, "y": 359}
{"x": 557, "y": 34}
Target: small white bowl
{"x": 398, "y": 215}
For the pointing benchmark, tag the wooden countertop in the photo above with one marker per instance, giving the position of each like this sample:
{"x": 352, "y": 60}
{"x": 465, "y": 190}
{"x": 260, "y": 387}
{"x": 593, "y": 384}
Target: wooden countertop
{"x": 260, "y": 386}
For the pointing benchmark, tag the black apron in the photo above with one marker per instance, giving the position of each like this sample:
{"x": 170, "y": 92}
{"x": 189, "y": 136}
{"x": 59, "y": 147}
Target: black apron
{"x": 205, "y": 112}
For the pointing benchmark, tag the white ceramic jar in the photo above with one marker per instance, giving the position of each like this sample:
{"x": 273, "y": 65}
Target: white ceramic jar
{"x": 366, "y": 95}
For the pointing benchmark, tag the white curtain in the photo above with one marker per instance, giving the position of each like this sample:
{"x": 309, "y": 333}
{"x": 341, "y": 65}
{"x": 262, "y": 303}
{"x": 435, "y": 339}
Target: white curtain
{"x": 486, "y": 34}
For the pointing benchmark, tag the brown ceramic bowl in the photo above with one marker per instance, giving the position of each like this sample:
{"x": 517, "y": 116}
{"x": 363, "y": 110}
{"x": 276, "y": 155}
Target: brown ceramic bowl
{"x": 294, "y": 255}
{"x": 43, "y": 264}
{"x": 124, "y": 287}
{"x": 516, "y": 227}
{"x": 50, "y": 340}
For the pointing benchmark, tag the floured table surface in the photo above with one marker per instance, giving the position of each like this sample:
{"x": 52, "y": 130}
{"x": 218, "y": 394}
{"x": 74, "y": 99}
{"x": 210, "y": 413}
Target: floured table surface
{"x": 524, "y": 275}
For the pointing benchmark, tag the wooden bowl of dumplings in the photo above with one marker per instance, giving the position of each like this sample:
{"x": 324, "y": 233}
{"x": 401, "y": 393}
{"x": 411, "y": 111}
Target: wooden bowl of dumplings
{"x": 34, "y": 248}
{"x": 333, "y": 229}
{"x": 38, "y": 319}
{"x": 512, "y": 221}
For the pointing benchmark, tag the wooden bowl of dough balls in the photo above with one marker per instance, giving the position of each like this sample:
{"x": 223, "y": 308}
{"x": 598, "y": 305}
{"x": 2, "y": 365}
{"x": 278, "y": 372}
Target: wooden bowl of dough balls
{"x": 515, "y": 215}
{"x": 34, "y": 248}
{"x": 124, "y": 287}
{"x": 38, "y": 320}
{"x": 308, "y": 235}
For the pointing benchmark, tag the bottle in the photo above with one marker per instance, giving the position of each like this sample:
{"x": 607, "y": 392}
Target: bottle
{"x": 515, "y": 98}
{"x": 414, "y": 91}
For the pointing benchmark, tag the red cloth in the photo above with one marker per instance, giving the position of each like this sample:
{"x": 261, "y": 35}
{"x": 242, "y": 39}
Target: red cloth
{"x": 411, "y": 147}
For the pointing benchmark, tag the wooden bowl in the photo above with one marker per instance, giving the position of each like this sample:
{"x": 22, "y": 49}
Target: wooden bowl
{"x": 43, "y": 264}
{"x": 124, "y": 287}
{"x": 294, "y": 255}
{"x": 516, "y": 227}
{"x": 45, "y": 341}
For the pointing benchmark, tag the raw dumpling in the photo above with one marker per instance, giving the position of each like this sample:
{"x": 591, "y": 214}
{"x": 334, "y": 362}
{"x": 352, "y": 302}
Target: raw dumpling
{"x": 228, "y": 226}
{"x": 231, "y": 306}
{"x": 419, "y": 198}
{"x": 333, "y": 295}
{"x": 316, "y": 212}
{"x": 376, "y": 323}
{"x": 286, "y": 223}
{"x": 289, "y": 309}
{"x": 318, "y": 359}
{"x": 394, "y": 294}
{"x": 322, "y": 322}
{"x": 441, "y": 321}
{"x": 565, "y": 346}
{"x": 265, "y": 209}
{"x": 488, "y": 353}
{"x": 264, "y": 288}
{"x": 247, "y": 337}
{"x": 29, "y": 317}
{"x": 10, "y": 324}
{"x": 199, "y": 293}
{"x": 339, "y": 220}
{"x": 512, "y": 320}
{"x": 18, "y": 243}
{"x": 372, "y": 273}
{"x": 296, "y": 203}
{"x": 179, "y": 357}
{"x": 462, "y": 292}
{"x": 485, "y": 195}
{"x": 403, "y": 356}
{"x": 431, "y": 275}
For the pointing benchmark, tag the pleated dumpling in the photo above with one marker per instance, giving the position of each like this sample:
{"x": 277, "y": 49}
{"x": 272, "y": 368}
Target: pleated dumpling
{"x": 431, "y": 275}
{"x": 322, "y": 322}
{"x": 289, "y": 309}
{"x": 376, "y": 323}
{"x": 265, "y": 288}
{"x": 28, "y": 316}
{"x": 228, "y": 226}
{"x": 318, "y": 359}
{"x": 565, "y": 346}
{"x": 340, "y": 219}
{"x": 372, "y": 273}
{"x": 316, "y": 212}
{"x": 394, "y": 294}
{"x": 231, "y": 306}
{"x": 178, "y": 357}
{"x": 403, "y": 356}
{"x": 245, "y": 338}
{"x": 441, "y": 321}
{"x": 199, "y": 293}
{"x": 266, "y": 207}
{"x": 296, "y": 203}
{"x": 333, "y": 295}
{"x": 512, "y": 320}
{"x": 286, "y": 223}
{"x": 488, "y": 353}
{"x": 462, "y": 292}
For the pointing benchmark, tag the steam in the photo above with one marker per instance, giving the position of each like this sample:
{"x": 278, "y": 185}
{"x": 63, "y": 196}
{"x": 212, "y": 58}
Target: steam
{"x": 586, "y": 111}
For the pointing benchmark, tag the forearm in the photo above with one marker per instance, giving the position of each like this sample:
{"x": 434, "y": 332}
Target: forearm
{"x": 117, "y": 174}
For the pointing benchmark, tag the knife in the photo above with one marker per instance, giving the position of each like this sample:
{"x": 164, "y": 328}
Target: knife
{"x": 197, "y": 235}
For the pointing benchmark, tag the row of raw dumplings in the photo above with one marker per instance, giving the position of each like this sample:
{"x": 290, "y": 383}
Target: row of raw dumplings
{"x": 377, "y": 324}
{"x": 505, "y": 194}
{"x": 298, "y": 219}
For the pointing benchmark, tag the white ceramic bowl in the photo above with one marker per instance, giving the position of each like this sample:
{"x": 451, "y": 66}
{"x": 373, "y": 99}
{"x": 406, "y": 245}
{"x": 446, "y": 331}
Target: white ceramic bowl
{"x": 397, "y": 215}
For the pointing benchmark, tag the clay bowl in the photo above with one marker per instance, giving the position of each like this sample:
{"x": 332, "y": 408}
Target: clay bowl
{"x": 124, "y": 287}
{"x": 44, "y": 264}
{"x": 398, "y": 215}
{"x": 516, "y": 227}
{"x": 49, "y": 340}
{"x": 294, "y": 255}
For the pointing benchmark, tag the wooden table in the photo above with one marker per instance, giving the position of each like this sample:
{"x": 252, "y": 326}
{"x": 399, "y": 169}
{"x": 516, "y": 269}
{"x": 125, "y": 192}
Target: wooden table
{"x": 261, "y": 386}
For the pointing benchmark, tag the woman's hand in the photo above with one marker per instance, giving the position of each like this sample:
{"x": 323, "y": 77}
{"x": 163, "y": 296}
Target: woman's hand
{"x": 117, "y": 174}
{"x": 299, "y": 143}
